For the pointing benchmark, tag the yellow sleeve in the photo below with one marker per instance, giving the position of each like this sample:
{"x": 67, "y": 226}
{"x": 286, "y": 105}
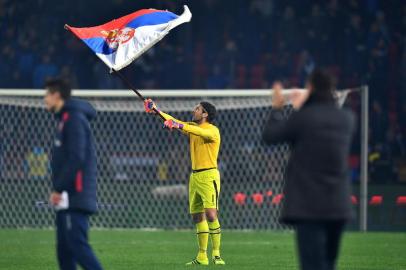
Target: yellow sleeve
{"x": 167, "y": 117}
{"x": 190, "y": 127}
{"x": 211, "y": 134}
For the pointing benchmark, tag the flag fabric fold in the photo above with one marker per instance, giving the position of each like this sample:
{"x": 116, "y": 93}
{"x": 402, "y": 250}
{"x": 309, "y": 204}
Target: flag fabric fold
{"x": 121, "y": 41}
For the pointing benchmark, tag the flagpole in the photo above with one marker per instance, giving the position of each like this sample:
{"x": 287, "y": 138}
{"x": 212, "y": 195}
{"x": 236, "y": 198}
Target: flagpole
{"x": 131, "y": 86}
{"x": 128, "y": 83}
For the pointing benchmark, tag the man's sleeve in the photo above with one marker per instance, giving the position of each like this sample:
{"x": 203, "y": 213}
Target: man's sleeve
{"x": 75, "y": 140}
{"x": 168, "y": 117}
{"x": 279, "y": 129}
{"x": 211, "y": 134}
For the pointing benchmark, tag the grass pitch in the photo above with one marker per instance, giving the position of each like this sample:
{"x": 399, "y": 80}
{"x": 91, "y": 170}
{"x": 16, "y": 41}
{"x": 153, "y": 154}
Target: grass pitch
{"x": 143, "y": 250}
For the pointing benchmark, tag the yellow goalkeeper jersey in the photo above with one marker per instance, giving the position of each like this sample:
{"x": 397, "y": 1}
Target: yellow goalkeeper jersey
{"x": 204, "y": 141}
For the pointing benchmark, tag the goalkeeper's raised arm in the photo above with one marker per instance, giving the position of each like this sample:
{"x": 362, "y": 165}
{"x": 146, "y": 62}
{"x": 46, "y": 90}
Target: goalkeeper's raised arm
{"x": 200, "y": 116}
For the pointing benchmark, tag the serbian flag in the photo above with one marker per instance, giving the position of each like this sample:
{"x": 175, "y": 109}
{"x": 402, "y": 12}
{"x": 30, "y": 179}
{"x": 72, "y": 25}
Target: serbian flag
{"x": 119, "y": 42}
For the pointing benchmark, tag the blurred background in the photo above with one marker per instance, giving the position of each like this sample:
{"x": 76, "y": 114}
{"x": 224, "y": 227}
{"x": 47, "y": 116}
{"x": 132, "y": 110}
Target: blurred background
{"x": 234, "y": 44}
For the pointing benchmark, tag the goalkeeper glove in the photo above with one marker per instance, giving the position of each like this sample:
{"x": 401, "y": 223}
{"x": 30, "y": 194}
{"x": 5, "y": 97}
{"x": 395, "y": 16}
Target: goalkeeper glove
{"x": 150, "y": 106}
{"x": 172, "y": 124}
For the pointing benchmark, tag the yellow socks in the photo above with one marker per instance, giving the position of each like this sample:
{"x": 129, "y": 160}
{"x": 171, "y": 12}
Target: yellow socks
{"x": 202, "y": 229}
{"x": 215, "y": 233}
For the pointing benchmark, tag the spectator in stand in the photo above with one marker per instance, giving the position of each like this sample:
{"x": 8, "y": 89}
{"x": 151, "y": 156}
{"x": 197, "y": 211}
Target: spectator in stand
{"x": 316, "y": 34}
{"x": 306, "y": 65}
{"x": 379, "y": 123}
{"x": 378, "y": 64}
{"x": 355, "y": 48}
{"x": 44, "y": 71}
{"x": 217, "y": 80}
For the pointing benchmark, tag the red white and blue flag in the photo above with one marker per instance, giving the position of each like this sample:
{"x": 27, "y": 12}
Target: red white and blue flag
{"x": 119, "y": 42}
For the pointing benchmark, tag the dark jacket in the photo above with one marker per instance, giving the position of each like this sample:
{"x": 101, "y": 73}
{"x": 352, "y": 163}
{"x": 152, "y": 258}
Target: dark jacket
{"x": 317, "y": 185}
{"x": 73, "y": 155}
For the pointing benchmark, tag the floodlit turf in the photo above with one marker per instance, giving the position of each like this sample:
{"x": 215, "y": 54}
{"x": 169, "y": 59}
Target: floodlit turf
{"x": 133, "y": 249}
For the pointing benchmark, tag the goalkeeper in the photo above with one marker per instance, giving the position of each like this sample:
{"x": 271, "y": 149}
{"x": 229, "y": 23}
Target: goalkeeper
{"x": 204, "y": 182}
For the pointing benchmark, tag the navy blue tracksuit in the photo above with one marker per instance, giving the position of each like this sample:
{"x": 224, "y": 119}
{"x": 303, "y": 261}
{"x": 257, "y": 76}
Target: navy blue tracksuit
{"x": 74, "y": 171}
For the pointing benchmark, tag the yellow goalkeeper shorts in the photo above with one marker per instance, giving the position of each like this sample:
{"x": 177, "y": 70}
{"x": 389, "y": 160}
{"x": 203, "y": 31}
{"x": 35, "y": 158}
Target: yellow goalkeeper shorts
{"x": 204, "y": 190}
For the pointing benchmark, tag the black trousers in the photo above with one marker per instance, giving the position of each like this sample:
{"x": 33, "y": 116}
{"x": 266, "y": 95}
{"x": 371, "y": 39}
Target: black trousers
{"x": 72, "y": 241}
{"x": 318, "y": 243}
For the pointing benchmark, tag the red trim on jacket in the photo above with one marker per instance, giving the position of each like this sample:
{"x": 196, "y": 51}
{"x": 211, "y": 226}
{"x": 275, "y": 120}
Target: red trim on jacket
{"x": 79, "y": 181}
{"x": 65, "y": 116}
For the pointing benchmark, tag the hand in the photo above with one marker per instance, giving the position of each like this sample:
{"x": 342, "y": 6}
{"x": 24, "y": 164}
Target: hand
{"x": 55, "y": 198}
{"x": 278, "y": 101}
{"x": 172, "y": 124}
{"x": 298, "y": 98}
{"x": 150, "y": 106}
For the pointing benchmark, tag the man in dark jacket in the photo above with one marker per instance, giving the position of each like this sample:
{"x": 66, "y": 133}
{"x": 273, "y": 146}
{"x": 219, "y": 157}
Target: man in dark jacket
{"x": 317, "y": 188}
{"x": 73, "y": 174}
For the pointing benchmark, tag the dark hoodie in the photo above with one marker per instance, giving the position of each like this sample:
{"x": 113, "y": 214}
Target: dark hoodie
{"x": 73, "y": 156}
{"x": 317, "y": 185}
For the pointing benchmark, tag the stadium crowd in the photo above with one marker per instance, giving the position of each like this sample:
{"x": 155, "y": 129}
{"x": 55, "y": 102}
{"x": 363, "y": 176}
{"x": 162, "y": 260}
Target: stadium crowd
{"x": 248, "y": 44}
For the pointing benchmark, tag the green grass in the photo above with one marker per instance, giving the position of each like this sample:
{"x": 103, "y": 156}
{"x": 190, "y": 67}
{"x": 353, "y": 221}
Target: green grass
{"x": 133, "y": 249}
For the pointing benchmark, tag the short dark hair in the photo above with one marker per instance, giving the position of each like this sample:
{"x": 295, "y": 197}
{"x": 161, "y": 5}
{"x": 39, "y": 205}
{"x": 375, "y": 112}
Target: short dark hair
{"x": 210, "y": 109}
{"x": 322, "y": 83}
{"x": 59, "y": 85}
